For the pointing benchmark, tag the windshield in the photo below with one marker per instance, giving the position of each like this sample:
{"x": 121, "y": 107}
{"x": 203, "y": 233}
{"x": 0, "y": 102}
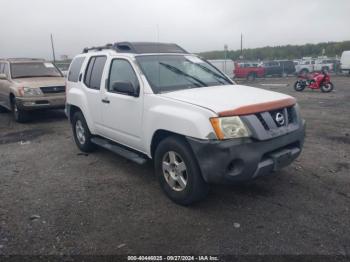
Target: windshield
{"x": 37, "y": 69}
{"x": 167, "y": 73}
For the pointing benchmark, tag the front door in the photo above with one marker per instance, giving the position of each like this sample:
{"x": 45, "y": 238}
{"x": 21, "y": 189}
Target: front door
{"x": 122, "y": 112}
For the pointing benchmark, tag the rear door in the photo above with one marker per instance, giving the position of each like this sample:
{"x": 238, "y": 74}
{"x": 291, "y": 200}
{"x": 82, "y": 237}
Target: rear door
{"x": 121, "y": 112}
{"x": 92, "y": 81}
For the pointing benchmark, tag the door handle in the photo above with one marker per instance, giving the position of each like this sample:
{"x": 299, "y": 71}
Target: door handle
{"x": 105, "y": 100}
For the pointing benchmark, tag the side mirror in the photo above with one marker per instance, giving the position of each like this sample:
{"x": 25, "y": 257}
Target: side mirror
{"x": 125, "y": 88}
{"x": 3, "y": 77}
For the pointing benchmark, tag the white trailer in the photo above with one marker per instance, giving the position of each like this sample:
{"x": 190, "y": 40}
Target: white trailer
{"x": 345, "y": 62}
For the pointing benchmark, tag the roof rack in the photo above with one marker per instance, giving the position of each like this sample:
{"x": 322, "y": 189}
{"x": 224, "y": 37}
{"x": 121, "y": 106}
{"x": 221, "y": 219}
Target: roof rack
{"x": 139, "y": 48}
{"x": 98, "y": 48}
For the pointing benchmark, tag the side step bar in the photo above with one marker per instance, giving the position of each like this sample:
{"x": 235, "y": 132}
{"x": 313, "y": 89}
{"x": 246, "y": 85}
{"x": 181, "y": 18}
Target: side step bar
{"x": 119, "y": 150}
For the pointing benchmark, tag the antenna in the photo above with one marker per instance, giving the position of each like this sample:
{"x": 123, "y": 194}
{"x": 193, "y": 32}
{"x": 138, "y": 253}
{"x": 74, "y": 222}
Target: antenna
{"x": 158, "y": 33}
{"x": 53, "y": 49}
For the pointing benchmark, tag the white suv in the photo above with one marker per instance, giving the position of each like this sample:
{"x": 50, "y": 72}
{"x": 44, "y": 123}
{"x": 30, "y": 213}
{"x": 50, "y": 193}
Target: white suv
{"x": 156, "y": 101}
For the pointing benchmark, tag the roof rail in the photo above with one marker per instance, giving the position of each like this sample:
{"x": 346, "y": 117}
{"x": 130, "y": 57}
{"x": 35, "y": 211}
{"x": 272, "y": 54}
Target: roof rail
{"x": 139, "y": 48}
{"x": 98, "y": 48}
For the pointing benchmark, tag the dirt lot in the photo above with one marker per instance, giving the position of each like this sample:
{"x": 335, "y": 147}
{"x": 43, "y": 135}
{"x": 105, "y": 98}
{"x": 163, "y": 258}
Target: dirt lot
{"x": 56, "y": 200}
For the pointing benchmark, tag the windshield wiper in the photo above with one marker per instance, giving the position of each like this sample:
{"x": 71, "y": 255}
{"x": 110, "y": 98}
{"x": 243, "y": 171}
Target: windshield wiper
{"x": 180, "y": 72}
{"x": 47, "y": 76}
{"x": 34, "y": 76}
{"x": 213, "y": 73}
{"x": 23, "y": 76}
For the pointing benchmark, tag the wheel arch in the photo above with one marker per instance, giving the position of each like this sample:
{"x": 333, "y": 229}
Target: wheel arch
{"x": 159, "y": 136}
{"x": 72, "y": 110}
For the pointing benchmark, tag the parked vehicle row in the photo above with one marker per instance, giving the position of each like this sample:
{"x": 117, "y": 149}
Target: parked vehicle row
{"x": 252, "y": 70}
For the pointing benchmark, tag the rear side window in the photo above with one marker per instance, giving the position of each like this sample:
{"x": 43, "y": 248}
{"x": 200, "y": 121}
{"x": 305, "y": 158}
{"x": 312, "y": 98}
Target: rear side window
{"x": 94, "y": 72}
{"x": 73, "y": 75}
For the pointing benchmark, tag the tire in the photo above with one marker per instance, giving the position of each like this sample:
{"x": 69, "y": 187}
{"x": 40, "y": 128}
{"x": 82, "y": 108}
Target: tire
{"x": 299, "y": 86}
{"x": 328, "y": 87}
{"x": 178, "y": 172}
{"x": 251, "y": 76}
{"x": 304, "y": 71}
{"x": 19, "y": 115}
{"x": 81, "y": 133}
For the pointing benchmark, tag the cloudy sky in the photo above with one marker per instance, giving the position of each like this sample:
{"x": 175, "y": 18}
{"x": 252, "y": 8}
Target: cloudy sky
{"x": 197, "y": 25}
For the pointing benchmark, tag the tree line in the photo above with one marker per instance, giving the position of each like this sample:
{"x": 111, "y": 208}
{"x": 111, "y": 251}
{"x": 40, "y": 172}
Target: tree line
{"x": 330, "y": 49}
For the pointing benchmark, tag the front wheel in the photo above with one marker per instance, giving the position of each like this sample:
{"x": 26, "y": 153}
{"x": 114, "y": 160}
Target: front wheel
{"x": 327, "y": 87}
{"x": 299, "y": 86}
{"x": 19, "y": 115}
{"x": 178, "y": 172}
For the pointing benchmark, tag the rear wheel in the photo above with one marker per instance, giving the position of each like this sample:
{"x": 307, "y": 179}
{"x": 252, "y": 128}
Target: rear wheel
{"x": 19, "y": 115}
{"x": 299, "y": 86}
{"x": 304, "y": 72}
{"x": 327, "y": 87}
{"x": 81, "y": 133}
{"x": 178, "y": 172}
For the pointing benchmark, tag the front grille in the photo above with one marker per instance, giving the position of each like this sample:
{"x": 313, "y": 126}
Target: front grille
{"x": 290, "y": 114}
{"x": 53, "y": 89}
{"x": 262, "y": 121}
{"x": 280, "y": 117}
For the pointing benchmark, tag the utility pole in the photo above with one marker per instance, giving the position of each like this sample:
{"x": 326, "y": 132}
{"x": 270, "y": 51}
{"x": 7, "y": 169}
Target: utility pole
{"x": 225, "y": 49}
{"x": 241, "y": 46}
{"x": 53, "y": 50}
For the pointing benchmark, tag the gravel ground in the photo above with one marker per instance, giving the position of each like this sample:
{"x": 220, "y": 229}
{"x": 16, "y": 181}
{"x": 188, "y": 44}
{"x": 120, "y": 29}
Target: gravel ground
{"x": 56, "y": 200}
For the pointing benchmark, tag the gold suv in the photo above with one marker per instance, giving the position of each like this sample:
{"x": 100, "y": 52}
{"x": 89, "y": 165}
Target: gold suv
{"x": 29, "y": 84}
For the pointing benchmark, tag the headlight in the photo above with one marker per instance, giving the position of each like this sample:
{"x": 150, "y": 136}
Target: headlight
{"x": 29, "y": 91}
{"x": 229, "y": 127}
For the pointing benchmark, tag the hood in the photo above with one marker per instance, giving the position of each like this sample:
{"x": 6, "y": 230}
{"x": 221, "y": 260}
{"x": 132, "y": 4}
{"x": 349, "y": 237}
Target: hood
{"x": 232, "y": 99}
{"x": 40, "y": 81}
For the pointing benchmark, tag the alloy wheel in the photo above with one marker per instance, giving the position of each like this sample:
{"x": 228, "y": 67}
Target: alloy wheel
{"x": 174, "y": 171}
{"x": 80, "y": 132}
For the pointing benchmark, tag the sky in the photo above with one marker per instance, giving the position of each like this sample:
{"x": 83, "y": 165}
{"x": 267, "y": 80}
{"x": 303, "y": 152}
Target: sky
{"x": 196, "y": 25}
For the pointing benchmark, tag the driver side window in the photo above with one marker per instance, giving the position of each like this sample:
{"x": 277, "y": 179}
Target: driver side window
{"x": 121, "y": 71}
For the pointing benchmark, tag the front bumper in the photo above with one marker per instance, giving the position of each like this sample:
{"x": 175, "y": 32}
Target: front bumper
{"x": 41, "y": 102}
{"x": 244, "y": 159}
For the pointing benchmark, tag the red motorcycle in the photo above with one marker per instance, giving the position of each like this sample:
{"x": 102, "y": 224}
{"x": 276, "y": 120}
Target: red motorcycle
{"x": 320, "y": 80}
